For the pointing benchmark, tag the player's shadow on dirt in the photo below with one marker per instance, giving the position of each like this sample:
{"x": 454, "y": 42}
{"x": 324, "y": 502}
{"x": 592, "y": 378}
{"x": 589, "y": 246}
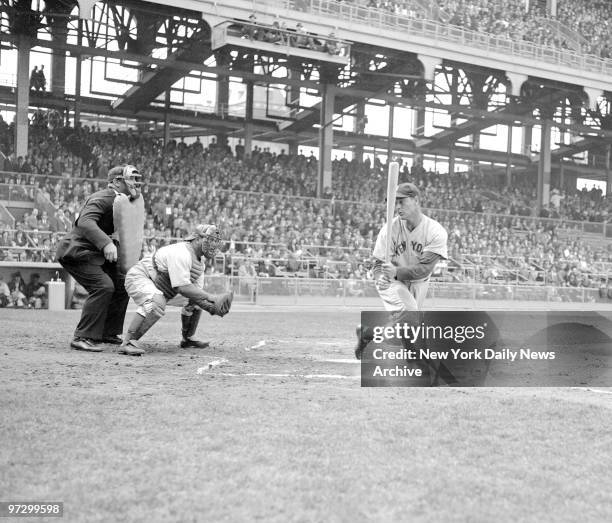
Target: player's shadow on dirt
{"x": 570, "y": 335}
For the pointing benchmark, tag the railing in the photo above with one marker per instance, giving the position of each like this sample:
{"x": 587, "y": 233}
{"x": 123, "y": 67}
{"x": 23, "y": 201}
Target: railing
{"x": 351, "y": 292}
{"x": 8, "y": 79}
{"x": 346, "y": 13}
{"x": 562, "y": 32}
{"x": 257, "y": 35}
{"x": 506, "y": 293}
{"x": 10, "y": 192}
{"x": 6, "y": 216}
{"x": 575, "y": 227}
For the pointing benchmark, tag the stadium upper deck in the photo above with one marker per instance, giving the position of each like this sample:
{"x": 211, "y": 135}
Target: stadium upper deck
{"x": 433, "y": 40}
{"x": 391, "y": 54}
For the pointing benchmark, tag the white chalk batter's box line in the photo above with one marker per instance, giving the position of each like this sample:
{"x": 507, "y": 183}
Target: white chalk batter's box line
{"x": 298, "y": 376}
{"x": 596, "y": 391}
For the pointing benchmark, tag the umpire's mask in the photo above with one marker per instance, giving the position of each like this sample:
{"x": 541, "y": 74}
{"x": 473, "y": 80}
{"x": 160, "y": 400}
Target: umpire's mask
{"x": 130, "y": 176}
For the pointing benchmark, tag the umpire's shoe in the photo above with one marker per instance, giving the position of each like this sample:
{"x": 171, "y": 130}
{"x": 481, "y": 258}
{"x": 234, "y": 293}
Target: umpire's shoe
{"x": 85, "y": 344}
{"x": 188, "y": 343}
{"x": 112, "y": 340}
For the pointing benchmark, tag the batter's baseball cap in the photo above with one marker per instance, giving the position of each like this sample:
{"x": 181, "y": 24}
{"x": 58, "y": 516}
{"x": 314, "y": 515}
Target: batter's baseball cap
{"x": 405, "y": 190}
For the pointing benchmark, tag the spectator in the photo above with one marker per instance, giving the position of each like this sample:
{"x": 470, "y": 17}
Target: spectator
{"x": 267, "y": 269}
{"x": 17, "y": 290}
{"x": 41, "y": 79}
{"x": 248, "y": 276}
{"x": 34, "y": 79}
{"x": 32, "y": 220}
{"x": 35, "y": 292}
{"x": 5, "y": 293}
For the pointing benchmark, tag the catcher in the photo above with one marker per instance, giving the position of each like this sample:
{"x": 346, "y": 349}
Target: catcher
{"x": 174, "y": 270}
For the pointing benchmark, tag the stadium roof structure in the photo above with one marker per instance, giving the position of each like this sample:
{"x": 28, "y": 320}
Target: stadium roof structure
{"x": 151, "y": 57}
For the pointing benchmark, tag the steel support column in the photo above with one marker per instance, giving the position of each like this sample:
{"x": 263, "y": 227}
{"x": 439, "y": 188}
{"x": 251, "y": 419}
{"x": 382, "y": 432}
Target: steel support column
{"x": 544, "y": 165}
{"x": 608, "y": 171}
{"x": 359, "y": 128}
{"x": 509, "y": 161}
{"x": 527, "y": 138}
{"x": 326, "y": 138}
{"x": 167, "y": 119}
{"x": 77, "y": 83}
{"x": 23, "y": 96}
{"x": 59, "y": 34}
{"x": 222, "y": 102}
{"x": 451, "y": 159}
{"x": 248, "y": 118}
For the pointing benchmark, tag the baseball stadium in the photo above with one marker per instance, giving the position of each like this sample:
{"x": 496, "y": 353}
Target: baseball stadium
{"x": 206, "y": 210}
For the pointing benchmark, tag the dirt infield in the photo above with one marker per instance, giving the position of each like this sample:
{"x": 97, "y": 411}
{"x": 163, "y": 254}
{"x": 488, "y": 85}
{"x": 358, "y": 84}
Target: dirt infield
{"x": 282, "y": 431}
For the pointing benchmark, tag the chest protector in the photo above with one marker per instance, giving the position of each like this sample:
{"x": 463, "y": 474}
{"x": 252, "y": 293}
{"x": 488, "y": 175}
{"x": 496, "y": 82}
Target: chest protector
{"x": 128, "y": 219}
{"x": 162, "y": 279}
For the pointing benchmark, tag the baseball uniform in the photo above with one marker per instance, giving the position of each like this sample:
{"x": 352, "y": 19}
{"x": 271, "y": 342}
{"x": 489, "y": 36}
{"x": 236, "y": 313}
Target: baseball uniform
{"x": 406, "y": 249}
{"x": 180, "y": 264}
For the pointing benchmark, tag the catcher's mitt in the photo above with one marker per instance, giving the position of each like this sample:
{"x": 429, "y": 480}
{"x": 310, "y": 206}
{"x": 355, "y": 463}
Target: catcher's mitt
{"x": 216, "y": 304}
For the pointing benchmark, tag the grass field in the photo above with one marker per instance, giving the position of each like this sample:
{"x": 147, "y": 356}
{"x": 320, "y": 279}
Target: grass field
{"x": 276, "y": 433}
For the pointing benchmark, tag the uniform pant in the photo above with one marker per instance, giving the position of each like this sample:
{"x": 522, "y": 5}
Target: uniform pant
{"x": 141, "y": 288}
{"x": 104, "y": 309}
{"x": 404, "y": 296}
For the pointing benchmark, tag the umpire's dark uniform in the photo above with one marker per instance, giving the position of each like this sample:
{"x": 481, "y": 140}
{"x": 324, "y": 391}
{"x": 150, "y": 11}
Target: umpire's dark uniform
{"x": 80, "y": 253}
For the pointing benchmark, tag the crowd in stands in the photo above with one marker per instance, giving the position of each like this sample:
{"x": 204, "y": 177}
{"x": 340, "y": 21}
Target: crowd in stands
{"x": 518, "y": 20}
{"x": 265, "y": 204}
{"x": 592, "y": 20}
{"x": 280, "y": 33}
{"x": 19, "y": 294}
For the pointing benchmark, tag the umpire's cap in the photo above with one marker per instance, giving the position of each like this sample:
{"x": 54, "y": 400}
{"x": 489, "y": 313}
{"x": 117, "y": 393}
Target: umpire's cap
{"x": 122, "y": 171}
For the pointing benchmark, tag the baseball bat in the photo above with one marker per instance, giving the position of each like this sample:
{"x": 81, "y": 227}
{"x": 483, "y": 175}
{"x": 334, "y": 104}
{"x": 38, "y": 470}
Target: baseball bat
{"x": 391, "y": 190}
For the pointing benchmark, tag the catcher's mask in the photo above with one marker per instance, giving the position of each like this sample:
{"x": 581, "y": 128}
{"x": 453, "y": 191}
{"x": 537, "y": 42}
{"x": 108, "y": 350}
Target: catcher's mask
{"x": 130, "y": 175}
{"x": 208, "y": 237}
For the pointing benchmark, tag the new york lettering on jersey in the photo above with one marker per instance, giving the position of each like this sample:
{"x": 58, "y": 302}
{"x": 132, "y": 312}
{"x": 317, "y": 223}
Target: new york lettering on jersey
{"x": 407, "y": 246}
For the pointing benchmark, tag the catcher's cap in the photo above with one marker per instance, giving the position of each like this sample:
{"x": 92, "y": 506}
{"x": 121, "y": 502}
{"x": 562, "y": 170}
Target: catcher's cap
{"x": 203, "y": 230}
{"x": 407, "y": 190}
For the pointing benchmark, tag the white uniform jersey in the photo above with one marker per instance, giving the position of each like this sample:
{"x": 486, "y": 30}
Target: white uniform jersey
{"x": 408, "y": 246}
{"x": 406, "y": 249}
{"x": 176, "y": 259}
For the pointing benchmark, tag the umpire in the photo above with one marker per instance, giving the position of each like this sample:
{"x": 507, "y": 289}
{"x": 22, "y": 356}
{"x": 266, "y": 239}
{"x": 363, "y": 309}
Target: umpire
{"x": 89, "y": 254}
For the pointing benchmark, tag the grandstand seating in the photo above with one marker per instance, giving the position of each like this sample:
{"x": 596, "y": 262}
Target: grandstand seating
{"x": 279, "y": 217}
{"x": 579, "y": 25}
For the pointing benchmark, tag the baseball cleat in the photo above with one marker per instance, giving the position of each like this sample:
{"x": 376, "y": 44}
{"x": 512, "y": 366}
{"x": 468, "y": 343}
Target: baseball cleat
{"x": 361, "y": 344}
{"x": 131, "y": 348}
{"x": 187, "y": 343}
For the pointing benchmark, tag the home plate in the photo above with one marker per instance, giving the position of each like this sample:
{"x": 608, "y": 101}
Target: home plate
{"x": 341, "y": 360}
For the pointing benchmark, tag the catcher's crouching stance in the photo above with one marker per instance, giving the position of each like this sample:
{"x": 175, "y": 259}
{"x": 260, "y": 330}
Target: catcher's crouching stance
{"x": 171, "y": 271}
